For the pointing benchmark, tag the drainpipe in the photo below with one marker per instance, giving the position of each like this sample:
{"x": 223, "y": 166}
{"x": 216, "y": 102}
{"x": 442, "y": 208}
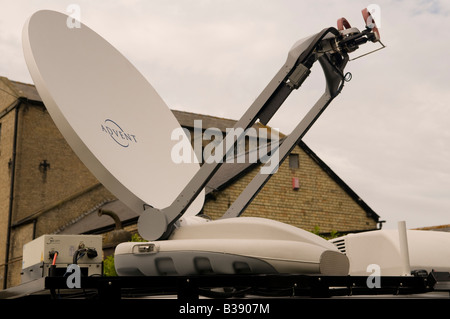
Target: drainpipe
{"x": 11, "y": 192}
{"x": 113, "y": 215}
{"x": 118, "y": 235}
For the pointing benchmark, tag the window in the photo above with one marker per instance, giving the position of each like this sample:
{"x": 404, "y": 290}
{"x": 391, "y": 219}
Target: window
{"x": 293, "y": 161}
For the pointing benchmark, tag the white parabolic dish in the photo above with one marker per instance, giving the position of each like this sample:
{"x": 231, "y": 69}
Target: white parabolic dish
{"x": 107, "y": 111}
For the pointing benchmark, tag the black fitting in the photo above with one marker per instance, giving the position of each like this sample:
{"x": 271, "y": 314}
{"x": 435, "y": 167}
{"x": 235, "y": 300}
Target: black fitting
{"x": 90, "y": 252}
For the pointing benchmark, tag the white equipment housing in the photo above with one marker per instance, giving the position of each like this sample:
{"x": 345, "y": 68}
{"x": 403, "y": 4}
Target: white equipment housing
{"x": 382, "y": 251}
{"x": 38, "y": 255}
{"x": 232, "y": 246}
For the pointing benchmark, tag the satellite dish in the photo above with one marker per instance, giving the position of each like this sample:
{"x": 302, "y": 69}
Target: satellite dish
{"x": 107, "y": 111}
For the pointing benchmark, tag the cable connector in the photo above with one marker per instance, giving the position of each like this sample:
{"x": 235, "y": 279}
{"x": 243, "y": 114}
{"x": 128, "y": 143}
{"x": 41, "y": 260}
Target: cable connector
{"x": 89, "y": 252}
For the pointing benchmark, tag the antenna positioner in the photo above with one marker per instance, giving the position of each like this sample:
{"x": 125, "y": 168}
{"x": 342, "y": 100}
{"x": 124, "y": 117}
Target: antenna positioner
{"x": 351, "y": 38}
{"x": 370, "y": 24}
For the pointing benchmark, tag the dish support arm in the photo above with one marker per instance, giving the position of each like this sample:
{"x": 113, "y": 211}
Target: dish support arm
{"x": 157, "y": 223}
{"x": 330, "y": 47}
{"x": 333, "y": 75}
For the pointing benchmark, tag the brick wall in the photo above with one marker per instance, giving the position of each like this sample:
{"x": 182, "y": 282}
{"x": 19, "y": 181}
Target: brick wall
{"x": 8, "y": 98}
{"x": 47, "y": 168}
{"x": 319, "y": 202}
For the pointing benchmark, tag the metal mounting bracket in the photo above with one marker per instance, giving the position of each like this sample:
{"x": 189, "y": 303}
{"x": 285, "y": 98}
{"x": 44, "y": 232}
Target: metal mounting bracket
{"x": 330, "y": 48}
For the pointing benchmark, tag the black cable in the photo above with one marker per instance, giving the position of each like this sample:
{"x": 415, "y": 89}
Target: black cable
{"x": 75, "y": 255}
{"x": 79, "y": 253}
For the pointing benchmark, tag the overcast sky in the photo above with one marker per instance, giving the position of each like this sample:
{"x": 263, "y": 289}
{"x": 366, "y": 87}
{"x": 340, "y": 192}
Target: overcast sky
{"x": 387, "y": 135}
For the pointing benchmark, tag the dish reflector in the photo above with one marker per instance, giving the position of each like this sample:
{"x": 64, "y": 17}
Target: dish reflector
{"x": 107, "y": 111}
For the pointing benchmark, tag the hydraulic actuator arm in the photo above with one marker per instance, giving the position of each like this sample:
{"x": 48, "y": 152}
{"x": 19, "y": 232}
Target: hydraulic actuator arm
{"x": 330, "y": 47}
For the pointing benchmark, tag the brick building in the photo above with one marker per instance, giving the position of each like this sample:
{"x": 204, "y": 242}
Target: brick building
{"x": 46, "y": 189}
